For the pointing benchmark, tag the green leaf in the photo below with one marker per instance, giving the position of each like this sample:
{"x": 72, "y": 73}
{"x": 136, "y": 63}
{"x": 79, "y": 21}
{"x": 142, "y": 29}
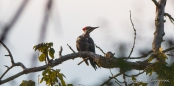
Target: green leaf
{"x": 162, "y": 56}
{"x": 42, "y": 80}
{"x": 69, "y": 84}
{"x": 151, "y": 58}
{"x": 27, "y": 83}
{"x": 149, "y": 70}
{"x": 50, "y": 44}
{"x": 61, "y": 79}
{"x": 42, "y": 57}
{"x": 51, "y": 53}
{"x": 134, "y": 79}
{"x": 45, "y": 71}
{"x": 144, "y": 84}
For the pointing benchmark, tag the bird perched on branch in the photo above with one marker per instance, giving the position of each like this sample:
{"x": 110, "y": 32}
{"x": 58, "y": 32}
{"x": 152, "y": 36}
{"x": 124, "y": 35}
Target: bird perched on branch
{"x": 85, "y": 43}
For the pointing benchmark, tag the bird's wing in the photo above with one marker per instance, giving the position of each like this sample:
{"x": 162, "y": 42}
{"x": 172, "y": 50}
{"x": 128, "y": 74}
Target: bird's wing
{"x": 81, "y": 43}
{"x": 78, "y": 43}
{"x": 92, "y": 46}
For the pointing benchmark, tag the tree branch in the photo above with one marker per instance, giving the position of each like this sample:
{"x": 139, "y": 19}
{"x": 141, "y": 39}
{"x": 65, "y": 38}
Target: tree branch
{"x": 156, "y": 3}
{"x": 113, "y": 63}
{"x": 134, "y": 37}
{"x": 104, "y": 62}
{"x": 110, "y": 79}
{"x": 100, "y": 49}
{"x": 11, "y": 57}
{"x": 71, "y": 48}
{"x": 159, "y": 23}
{"x": 170, "y": 17}
{"x": 12, "y": 61}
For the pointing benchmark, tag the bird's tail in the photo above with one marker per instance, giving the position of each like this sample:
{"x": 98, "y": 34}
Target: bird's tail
{"x": 93, "y": 63}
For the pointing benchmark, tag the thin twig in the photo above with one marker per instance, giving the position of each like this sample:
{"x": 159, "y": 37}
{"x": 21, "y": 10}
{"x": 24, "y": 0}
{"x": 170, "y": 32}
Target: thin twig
{"x": 6, "y": 66}
{"x": 13, "y": 65}
{"x": 60, "y": 52}
{"x": 100, "y": 49}
{"x": 144, "y": 55}
{"x": 71, "y": 48}
{"x": 110, "y": 79}
{"x": 12, "y": 61}
{"x": 83, "y": 60}
{"x": 135, "y": 74}
{"x": 117, "y": 81}
{"x": 156, "y": 3}
{"x": 125, "y": 83}
{"x": 134, "y": 37}
{"x": 170, "y": 17}
{"x": 11, "y": 56}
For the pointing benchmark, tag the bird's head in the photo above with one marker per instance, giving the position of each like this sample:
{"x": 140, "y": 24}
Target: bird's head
{"x": 89, "y": 29}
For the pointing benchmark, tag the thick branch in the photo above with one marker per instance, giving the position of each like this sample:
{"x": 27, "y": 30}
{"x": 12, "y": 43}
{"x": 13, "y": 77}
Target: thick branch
{"x": 113, "y": 63}
{"x": 159, "y": 23}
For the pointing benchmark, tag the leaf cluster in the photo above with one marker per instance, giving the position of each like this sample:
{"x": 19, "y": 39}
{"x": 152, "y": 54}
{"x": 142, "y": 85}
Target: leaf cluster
{"x": 162, "y": 69}
{"x": 45, "y": 49}
{"x": 27, "y": 83}
{"x": 53, "y": 77}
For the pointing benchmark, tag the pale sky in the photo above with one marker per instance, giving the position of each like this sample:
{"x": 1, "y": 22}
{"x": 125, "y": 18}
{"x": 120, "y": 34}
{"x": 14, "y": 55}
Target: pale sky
{"x": 67, "y": 19}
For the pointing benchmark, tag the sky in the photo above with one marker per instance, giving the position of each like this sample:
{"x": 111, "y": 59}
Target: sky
{"x": 66, "y": 21}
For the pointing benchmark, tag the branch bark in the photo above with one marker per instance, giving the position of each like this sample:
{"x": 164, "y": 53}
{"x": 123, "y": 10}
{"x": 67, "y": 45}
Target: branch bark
{"x": 159, "y": 23}
{"x": 113, "y": 63}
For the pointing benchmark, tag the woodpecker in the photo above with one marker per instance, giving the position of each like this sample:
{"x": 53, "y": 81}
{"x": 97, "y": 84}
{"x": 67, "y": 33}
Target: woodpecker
{"x": 85, "y": 43}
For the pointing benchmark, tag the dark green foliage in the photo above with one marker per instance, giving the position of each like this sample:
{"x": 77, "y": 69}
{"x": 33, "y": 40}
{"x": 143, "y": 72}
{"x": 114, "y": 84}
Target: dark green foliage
{"x": 27, "y": 83}
{"x": 165, "y": 73}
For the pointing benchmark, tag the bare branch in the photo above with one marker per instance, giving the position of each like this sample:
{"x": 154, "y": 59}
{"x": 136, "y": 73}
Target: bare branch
{"x": 6, "y": 66}
{"x": 135, "y": 74}
{"x": 134, "y": 37}
{"x": 11, "y": 56}
{"x": 12, "y": 61}
{"x": 170, "y": 17}
{"x": 124, "y": 78}
{"x": 113, "y": 63}
{"x": 83, "y": 60}
{"x": 110, "y": 79}
{"x": 100, "y": 49}
{"x": 156, "y": 3}
{"x": 117, "y": 81}
{"x": 71, "y": 48}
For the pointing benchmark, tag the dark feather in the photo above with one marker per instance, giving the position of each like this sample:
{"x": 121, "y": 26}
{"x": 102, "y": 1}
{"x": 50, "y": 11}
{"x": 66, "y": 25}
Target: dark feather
{"x": 86, "y": 44}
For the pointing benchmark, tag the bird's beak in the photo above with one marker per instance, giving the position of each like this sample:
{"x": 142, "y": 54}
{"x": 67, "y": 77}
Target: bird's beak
{"x": 93, "y": 28}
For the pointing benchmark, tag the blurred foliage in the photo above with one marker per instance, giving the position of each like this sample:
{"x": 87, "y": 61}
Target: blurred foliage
{"x": 27, "y": 83}
{"x": 165, "y": 73}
